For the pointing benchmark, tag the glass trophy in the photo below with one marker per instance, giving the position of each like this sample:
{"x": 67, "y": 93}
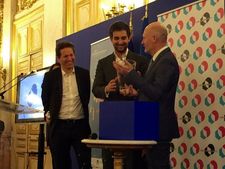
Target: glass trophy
{"x": 122, "y": 88}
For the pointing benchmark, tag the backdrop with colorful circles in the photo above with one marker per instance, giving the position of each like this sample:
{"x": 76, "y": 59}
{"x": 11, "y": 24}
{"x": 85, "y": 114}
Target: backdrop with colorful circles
{"x": 197, "y": 38}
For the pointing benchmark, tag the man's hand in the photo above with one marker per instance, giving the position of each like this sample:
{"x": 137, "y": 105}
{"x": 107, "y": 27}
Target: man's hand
{"x": 132, "y": 91}
{"x": 47, "y": 117}
{"x": 123, "y": 69}
{"x": 128, "y": 90}
{"x": 111, "y": 86}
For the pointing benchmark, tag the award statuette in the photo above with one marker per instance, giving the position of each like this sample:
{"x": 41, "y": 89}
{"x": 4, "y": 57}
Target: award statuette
{"x": 120, "y": 77}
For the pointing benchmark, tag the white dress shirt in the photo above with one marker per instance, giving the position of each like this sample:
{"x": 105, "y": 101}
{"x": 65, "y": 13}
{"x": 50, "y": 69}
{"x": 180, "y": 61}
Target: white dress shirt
{"x": 71, "y": 107}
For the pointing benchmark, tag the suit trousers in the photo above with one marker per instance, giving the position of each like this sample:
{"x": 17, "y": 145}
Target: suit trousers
{"x": 67, "y": 134}
{"x": 158, "y": 156}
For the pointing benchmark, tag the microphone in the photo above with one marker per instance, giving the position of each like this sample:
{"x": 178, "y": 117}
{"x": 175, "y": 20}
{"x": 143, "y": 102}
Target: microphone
{"x": 33, "y": 71}
{"x": 20, "y": 78}
{"x": 93, "y": 136}
{"x": 21, "y": 74}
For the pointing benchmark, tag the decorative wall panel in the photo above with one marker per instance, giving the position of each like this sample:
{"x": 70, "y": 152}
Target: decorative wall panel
{"x": 23, "y": 41}
{"x": 36, "y": 35}
{"x": 197, "y": 37}
{"x": 83, "y": 12}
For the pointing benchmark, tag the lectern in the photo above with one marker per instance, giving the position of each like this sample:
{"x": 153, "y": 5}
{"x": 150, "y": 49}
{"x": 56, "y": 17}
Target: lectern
{"x": 129, "y": 120}
{"x": 125, "y": 125}
{"x": 118, "y": 147}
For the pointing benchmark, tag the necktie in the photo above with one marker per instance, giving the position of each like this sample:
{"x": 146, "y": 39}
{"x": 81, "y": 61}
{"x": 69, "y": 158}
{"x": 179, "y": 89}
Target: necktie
{"x": 149, "y": 66}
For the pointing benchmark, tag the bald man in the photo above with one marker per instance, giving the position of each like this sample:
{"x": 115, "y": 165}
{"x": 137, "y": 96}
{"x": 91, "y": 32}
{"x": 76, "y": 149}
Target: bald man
{"x": 159, "y": 85}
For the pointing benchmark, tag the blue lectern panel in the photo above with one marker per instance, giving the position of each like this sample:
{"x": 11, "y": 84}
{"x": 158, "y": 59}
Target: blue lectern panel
{"x": 129, "y": 120}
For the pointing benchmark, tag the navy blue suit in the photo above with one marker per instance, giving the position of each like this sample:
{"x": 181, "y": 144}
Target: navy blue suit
{"x": 159, "y": 85}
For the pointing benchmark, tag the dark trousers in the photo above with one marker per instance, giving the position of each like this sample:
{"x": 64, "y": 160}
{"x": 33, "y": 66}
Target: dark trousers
{"x": 133, "y": 160}
{"x": 53, "y": 163}
{"x": 48, "y": 144}
{"x": 158, "y": 157}
{"x": 69, "y": 133}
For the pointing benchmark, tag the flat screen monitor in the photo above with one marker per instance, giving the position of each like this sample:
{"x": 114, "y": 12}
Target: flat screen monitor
{"x": 29, "y": 97}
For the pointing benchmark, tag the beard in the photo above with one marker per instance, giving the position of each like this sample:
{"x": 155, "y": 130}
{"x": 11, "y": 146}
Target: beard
{"x": 120, "y": 48}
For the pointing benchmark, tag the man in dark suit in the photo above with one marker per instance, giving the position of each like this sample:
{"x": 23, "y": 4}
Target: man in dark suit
{"x": 159, "y": 85}
{"x": 46, "y": 89}
{"x": 105, "y": 84}
{"x": 65, "y": 96}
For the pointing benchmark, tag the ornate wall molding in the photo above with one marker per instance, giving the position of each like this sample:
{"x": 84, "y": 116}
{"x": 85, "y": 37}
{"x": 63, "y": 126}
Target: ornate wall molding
{"x": 25, "y": 4}
{"x": 2, "y": 71}
{"x": 1, "y": 27}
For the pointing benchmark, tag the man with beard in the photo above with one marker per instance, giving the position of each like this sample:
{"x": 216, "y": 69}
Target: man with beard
{"x": 105, "y": 84}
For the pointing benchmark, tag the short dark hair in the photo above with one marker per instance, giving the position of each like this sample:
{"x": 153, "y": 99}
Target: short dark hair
{"x": 119, "y": 26}
{"x": 62, "y": 45}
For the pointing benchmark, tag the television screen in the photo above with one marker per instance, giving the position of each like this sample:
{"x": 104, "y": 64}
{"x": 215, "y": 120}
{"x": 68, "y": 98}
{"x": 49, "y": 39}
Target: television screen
{"x": 29, "y": 97}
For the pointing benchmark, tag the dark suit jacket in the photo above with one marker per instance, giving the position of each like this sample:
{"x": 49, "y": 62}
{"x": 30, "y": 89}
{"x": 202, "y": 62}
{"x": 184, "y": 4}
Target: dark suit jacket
{"x": 105, "y": 72}
{"x": 52, "y": 94}
{"x": 159, "y": 85}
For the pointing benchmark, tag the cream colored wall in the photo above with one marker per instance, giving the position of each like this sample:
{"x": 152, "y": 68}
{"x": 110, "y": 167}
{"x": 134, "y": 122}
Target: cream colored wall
{"x": 67, "y": 17}
{"x": 54, "y": 23}
{"x": 9, "y": 10}
{"x": 8, "y": 13}
{"x": 84, "y": 13}
{"x": 54, "y": 28}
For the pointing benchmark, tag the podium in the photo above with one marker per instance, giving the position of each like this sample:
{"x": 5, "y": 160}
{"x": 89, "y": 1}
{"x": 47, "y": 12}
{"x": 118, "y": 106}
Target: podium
{"x": 126, "y": 125}
{"x": 17, "y": 109}
{"x": 118, "y": 147}
{"x": 129, "y": 120}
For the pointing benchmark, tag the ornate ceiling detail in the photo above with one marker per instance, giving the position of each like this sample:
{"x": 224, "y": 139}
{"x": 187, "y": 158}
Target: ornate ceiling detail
{"x": 25, "y": 4}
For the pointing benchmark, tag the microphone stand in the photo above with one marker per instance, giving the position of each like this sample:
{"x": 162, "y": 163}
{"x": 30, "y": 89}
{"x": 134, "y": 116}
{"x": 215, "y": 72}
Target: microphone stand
{"x": 18, "y": 81}
{"x": 41, "y": 147}
{"x": 3, "y": 92}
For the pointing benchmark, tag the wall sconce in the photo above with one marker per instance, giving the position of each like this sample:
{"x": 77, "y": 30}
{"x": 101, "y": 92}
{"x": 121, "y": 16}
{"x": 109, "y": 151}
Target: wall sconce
{"x": 116, "y": 10}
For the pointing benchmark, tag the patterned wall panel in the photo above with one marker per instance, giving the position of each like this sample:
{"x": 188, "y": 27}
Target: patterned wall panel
{"x": 197, "y": 38}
